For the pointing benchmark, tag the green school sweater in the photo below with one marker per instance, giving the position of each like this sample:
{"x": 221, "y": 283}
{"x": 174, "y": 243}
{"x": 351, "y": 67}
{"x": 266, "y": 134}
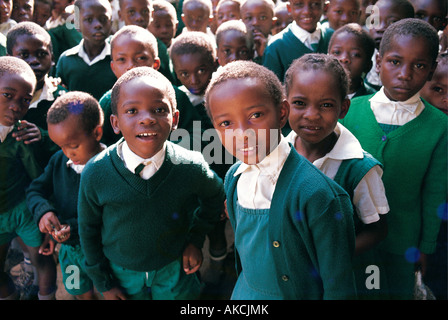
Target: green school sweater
{"x": 414, "y": 157}
{"x": 311, "y": 231}
{"x": 285, "y": 47}
{"x": 143, "y": 225}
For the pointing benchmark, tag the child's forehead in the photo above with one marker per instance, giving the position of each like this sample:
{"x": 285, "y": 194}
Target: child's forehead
{"x": 192, "y": 60}
{"x": 195, "y": 6}
{"x": 134, "y": 3}
{"x": 35, "y": 38}
{"x": 15, "y": 80}
{"x": 341, "y": 38}
{"x": 334, "y": 3}
{"x": 255, "y": 5}
{"x": 95, "y": 6}
{"x": 400, "y": 43}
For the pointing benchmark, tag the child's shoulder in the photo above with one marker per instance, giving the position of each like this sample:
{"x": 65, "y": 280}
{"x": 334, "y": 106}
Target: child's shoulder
{"x": 185, "y": 157}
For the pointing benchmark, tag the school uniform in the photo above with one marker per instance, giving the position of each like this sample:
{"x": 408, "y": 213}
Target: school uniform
{"x": 292, "y": 43}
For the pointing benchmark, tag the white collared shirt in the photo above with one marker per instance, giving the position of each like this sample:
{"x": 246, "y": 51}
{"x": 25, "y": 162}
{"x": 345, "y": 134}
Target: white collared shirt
{"x": 194, "y": 98}
{"x": 6, "y": 26}
{"x": 79, "y": 50}
{"x": 132, "y": 161}
{"x": 4, "y": 131}
{"x": 369, "y": 197}
{"x": 395, "y": 112}
{"x": 79, "y": 167}
{"x": 257, "y": 182}
{"x": 304, "y": 36}
{"x": 46, "y": 93}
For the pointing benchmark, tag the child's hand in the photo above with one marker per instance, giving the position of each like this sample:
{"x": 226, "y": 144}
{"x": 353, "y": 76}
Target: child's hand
{"x": 61, "y": 235}
{"x": 49, "y": 222}
{"x": 260, "y": 42}
{"x": 27, "y": 132}
{"x": 114, "y": 294}
{"x": 192, "y": 259}
{"x": 47, "y": 246}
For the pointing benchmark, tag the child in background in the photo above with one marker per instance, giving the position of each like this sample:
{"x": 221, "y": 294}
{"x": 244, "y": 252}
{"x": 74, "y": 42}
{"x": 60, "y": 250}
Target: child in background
{"x": 432, "y": 11}
{"x": 409, "y": 137}
{"x": 315, "y": 107}
{"x": 227, "y": 10}
{"x": 435, "y": 91}
{"x": 59, "y": 14}
{"x": 293, "y": 226}
{"x": 86, "y": 67}
{"x": 364, "y": 4}
{"x": 136, "y": 233}
{"x": 74, "y": 124}
{"x": 342, "y": 12}
{"x": 22, "y": 10}
{"x": 354, "y": 48}
{"x": 6, "y": 22}
{"x": 197, "y": 15}
{"x": 164, "y": 21}
{"x": 258, "y": 15}
{"x": 282, "y": 18}
{"x": 234, "y": 42}
{"x": 42, "y": 12}
{"x": 304, "y": 34}
{"x": 19, "y": 167}
{"x": 389, "y": 12}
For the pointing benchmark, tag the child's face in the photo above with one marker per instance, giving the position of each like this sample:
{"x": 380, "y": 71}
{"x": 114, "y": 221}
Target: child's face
{"x": 347, "y": 48}
{"x": 163, "y": 26}
{"x": 388, "y": 14}
{"x": 404, "y": 72}
{"x": 432, "y": 11}
{"x": 5, "y": 10}
{"x": 35, "y": 51}
{"x": 258, "y": 16}
{"x": 246, "y": 118}
{"x": 306, "y": 13}
{"x": 342, "y": 12}
{"x": 42, "y": 12}
{"x": 193, "y": 71}
{"x": 77, "y": 145}
{"x": 196, "y": 17}
{"x": 232, "y": 46}
{"x": 95, "y": 22}
{"x": 144, "y": 116}
{"x": 129, "y": 52}
{"x": 135, "y": 12}
{"x": 22, "y": 10}
{"x": 284, "y": 18}
{"x": 315, "y": 106}
{"x": 228, "y": 10}
{"x": 16, "y": 93}
{"x": 60, "y": 5}
{"x": 436, "y": 90}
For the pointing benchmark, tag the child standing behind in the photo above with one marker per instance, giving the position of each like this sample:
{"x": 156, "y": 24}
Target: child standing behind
{"x": 136, "y": 232}
{"x": 305, "y": 35}
{"x": 18, "y": 167}
{"x": 234, "y": 42}
{"x": 164, "y": 21}
{"x": 293, "y": 226}
{"x": 86, "y": 67}
{"x": 435, "y": 91}
{"x": 409, "y": 137}
{"x": 310, "y": 85}
{"x": 342, "y": 12}
{"x": 6, "y": 22}
{"x": 354, "y": 48}
{"x": 74, "y": 124}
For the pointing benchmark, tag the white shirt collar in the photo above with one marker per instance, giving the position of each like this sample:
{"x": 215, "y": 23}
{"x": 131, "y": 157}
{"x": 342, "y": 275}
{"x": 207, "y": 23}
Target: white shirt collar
{"x": 304, "y": 36}
{"x": 131, "y": 160}
{"x": 46, "y": 93}
{"x": 194, "y": 98}
{"x": 272, "y": 164}
{"x": 409, "y": 105}
{"x": 79, "y": 50}
{"x": 4, "y": 131}
{"x": 79, "y": 167}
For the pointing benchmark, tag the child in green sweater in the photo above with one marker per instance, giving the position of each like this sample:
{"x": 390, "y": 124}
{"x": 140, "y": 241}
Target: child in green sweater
{"x": 142, "y": 239}
{"x": 409, "y": 137}
{"x": 75, "y": 125}
{"x": 293, "y": 226}
{"x": 18, "y": 167}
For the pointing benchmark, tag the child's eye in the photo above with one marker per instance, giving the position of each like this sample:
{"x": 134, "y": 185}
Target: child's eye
{"x": 438, "y": 89}
{"x": 201, "y": 71}
{"x": 395, "y": 62}
{"x": 131, "y": 111}
{"x": 255, "y": 115}
{"x": 120, "y": 60}
{"x": 184, "y": 74}
{"x": 131, "y": 12}
{"x": 327, "y": 105}
{"x": 144, "y": 58}
{"x": 224, "y": 124}
{"x": 298, "y": 103}
{"x": 262, "y": 18}
{"x": 160, "y": 110}
{"x": 7, "y": 95}
{"x": 420, "y": 66}
{"x": 27, "y": 101}
{"x": 335, "y": 52}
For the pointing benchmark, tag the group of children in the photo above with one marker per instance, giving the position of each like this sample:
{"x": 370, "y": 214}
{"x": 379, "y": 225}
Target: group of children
{"x": 333, "y": 123}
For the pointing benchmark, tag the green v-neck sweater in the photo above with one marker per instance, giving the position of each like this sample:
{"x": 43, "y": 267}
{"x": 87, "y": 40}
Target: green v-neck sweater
{"x": 414, "y": 157}
{"x": 143, "y": 225}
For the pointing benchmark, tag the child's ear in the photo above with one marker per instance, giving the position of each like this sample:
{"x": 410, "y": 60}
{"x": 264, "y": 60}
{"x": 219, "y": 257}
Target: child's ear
{"x": 98, "y": 132}
{"x": 182, "y": 16}
{"x": 288, "y": 6}
{"x": 283, "y": 113}
{"x": 156, "y": 64}
{"x": 175, "y": 119}
{"x": 344, "y": 108}
{"x": 378, "y": 62}
{"x": 114, "y": 123}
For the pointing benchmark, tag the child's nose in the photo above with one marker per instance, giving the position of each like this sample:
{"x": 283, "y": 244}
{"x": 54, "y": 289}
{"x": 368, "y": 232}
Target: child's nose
{"x": 405, "y": 72}
{"x": 146, "y": 118}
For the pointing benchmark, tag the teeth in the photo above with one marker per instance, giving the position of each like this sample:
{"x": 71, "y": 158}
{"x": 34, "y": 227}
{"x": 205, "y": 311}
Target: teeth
{"x": 146, "y": 134}
{"x": 247, "y": 149}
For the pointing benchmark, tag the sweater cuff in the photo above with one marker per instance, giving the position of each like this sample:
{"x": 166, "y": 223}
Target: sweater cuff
{"x": 427, "y": 247}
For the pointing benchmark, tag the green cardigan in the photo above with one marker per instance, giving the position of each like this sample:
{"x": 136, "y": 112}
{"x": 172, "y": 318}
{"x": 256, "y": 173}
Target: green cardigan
{"x": 414, "y": 157}
{"x": 143, "y": 225}
{"x": 311, "y": 229}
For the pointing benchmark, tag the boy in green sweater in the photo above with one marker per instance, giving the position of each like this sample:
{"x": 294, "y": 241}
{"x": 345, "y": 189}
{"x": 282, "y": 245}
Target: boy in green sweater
{"x": 75, "y": 125}
{"x": 137, "y": 232}
{"x": 18, "y": 167}
{"x": 409, "y": 137}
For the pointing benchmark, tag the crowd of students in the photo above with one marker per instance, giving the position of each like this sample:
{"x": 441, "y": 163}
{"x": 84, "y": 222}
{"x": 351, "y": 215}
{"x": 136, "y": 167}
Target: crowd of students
{"x": 133, "y": 130}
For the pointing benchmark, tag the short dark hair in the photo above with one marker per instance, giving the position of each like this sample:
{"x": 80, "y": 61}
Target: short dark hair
{"x": 415, "y": 28}
{"x": 26, "y": 28}
{"x": 193, "y": 42}
{"x": 242, "y": 69}
{"x": 81, "y": 3}
{"x": 140, "y": 72}
{"x": 367, "y": 42}
{"x": 77, "y": 103}
{"x": 144, "y": 34}
{"x": 323, "y": 62}
{"x": 11, "y": 65}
